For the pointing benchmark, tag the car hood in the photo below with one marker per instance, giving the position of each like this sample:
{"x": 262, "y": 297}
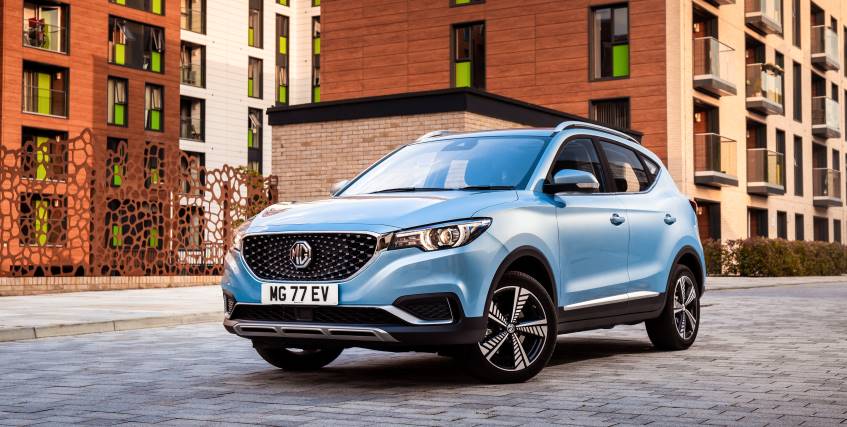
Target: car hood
{"x": 379, "y": 212}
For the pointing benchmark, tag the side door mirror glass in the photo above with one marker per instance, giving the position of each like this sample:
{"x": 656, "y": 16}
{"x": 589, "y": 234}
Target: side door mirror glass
{"x": 573, "y": 180}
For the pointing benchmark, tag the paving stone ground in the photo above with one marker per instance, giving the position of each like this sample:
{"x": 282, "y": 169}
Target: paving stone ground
{"x": 769, "y": 356}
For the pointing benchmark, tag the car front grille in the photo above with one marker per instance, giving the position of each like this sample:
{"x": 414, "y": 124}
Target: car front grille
{"x": 328, "y": 315}
{"x": 334, "y": 256}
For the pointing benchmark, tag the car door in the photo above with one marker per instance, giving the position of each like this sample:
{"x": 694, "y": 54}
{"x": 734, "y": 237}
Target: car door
{"x": 593, "y": 235}
{"x": 650, "y": 216}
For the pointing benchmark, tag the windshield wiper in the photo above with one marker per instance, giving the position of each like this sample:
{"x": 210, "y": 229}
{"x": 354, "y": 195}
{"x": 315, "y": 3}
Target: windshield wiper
{"x": 485, "y": 187}
{"x": 408, "y": 190}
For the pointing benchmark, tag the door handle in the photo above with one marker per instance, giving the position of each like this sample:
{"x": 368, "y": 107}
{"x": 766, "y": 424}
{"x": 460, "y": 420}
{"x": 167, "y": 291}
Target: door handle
{"x": 669, "y": 219}
{"x": 617, "y": 219}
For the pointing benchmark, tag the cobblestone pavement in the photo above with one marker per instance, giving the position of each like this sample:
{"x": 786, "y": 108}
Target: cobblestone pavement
{"x": 771, "y": 356}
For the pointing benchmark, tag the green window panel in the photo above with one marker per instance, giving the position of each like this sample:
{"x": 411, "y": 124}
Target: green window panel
{"x": 461, "y": 2}
{"x": 117, "y": 236}
{"x": 251, "y": 37}
{"x": 120, "y": 54}
{"x": 156, "y": 7}
{"x": 153, "y": 239}
{"x": 42, "y": 226}
{"x": 316, "y": 94}
{"x": 42, "y": 157}
{"x": 283, "y": 45}
{"x": 250, "y": 142}
{"x": 620, "y": 60}
{"x": 316, "y": 45}
{"x": 316, "y": 3}
{"x": 249, "y": 87}
{"x": 121, "y": 2}
{"x": 117, "y": 175}
{"x": 154, "y": 175}
{"x": 156, "y": 62}
{"x": 120, "y": 114}
{"x": 282, "y": 96}
{"x": 44, "y": 95}
{"x": 463, "y": 74}
{"x": 283, "y": 2}
{"x": 155, "y": 120}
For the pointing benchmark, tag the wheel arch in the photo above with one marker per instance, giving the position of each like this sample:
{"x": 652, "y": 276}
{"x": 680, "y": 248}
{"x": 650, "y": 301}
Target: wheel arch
{"x": 529, "y": 260}
{"x": 689, "y": 257}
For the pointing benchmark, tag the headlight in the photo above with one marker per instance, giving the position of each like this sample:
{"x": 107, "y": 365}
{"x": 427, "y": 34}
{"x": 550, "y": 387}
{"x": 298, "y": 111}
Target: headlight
{"x": 440, "y": 236}
{"x": 239, "y": 234}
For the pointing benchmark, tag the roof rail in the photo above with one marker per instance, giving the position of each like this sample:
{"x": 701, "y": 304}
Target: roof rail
{"x": 433, "y": 134}
{"x": 585, "y": 125}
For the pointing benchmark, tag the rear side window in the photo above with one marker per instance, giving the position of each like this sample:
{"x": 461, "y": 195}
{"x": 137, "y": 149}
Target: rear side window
{"x": 627, "y": 171}
{"x": 652, "y": 168}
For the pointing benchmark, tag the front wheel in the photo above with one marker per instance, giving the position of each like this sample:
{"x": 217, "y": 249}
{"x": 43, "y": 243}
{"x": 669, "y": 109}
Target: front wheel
{"x": 291, "y": 359}
{"x": 676, "y": 328}
{"x": 520, "y": 335}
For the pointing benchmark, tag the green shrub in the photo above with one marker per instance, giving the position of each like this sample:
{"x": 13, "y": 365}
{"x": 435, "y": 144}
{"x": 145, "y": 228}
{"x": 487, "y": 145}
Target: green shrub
{"x": 715, "y": 254}
{"x": 759, "y": 257}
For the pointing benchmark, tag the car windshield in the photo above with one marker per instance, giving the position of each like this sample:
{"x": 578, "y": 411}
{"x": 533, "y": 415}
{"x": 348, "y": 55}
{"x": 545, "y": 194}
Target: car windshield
{"x": 488, "y": 163}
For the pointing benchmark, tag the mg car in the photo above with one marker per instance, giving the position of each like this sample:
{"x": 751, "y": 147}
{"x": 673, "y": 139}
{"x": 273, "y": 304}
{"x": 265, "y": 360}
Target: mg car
{"x": 481, "y": 246}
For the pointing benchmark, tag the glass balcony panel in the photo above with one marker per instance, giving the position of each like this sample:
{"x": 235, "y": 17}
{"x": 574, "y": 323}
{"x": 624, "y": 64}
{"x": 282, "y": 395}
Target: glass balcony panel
{"x": 45, "y": 36}
{"x": 825, "y": 49}
{"x": 41, "y": 100}
{"x": 764, "y": 88}
{"x": 826, "y": 187}
{"x": 765, "y": 171}
{"x": 713, "y": 67}
{"x": 715, "y": 160}
{"x": 765, "y": 15}
{"x": 191, "y": 128}
{"x": 826, "y": 122}
{"x": 191, "y": 74}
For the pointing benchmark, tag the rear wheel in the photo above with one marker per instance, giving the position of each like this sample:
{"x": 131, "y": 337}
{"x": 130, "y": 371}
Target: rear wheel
{"x": 676, "y": 328}
{"x": 294, "y": 359}
{"x": 520, "y": 335}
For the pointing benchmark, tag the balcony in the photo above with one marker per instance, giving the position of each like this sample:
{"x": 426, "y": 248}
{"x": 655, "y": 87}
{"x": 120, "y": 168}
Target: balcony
{"x": 42, "y": 100}
{"x": 191, "y": 128}
{"x": 191, "y": 75}
{"x": 826, "y": 187}
{"x": 764, "y": 15}
{"x": 713, "y": 67}
{"x": 825, "y": 117}
{"x": 723, "y": 2}
{"x": 825, "y": 48}
{"x": 765, "y": 172}
{"x": 45, "y": 36}
{"x": 764, "y": 89}
{"x": 714, "y": 160}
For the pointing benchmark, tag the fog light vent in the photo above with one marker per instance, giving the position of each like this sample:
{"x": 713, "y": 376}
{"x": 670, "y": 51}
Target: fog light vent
{"x": 428, "y": 308}
{"x": 229, "y": 303}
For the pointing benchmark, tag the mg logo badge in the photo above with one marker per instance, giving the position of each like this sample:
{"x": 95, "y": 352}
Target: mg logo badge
{"x": 300, "y": 254}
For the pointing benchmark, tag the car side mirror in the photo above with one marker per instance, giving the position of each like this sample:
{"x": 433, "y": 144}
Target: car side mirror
{"x": 338, "y": 186}
{"x": 572, "y": 180}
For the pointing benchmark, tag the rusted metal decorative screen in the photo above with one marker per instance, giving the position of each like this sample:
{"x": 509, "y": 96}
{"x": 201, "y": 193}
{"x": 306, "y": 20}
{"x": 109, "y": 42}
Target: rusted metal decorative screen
{"x": 103, "y": 207}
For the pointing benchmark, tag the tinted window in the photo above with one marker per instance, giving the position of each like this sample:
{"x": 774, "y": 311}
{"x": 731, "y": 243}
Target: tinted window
{"x": 580, "y": 154}
{"x": 626, "y": 169}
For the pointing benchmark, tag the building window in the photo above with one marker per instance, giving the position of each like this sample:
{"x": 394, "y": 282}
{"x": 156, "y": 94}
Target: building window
{"x": 757, "y": 222}
{"x": 193, "y": 15}
{"x": 799, "y": 227}
{"x": 797, "y": 74}
{"x": 116, "y": 160}
{"x": 193, "y": 172}
{"x": 45, "y": 154}
{"x": 43, "y": 220}
{"x": 469, "y": 55}
{"x": 781, "y": 225}
{"x": 136, "y": 45}
{"x": 836, "y": 230}
{"x": 609, "y": 54}
{"x": 153, "y": 108}
{"x": 780, "y": 148}
{"x": 795, "y": 19}
{"x": 46, "y": 26}
{"x": 152, "y": 6}
{"x": 821, "y": 229}
{"x": 192, "y": 220}
{"x": 254, "y": 139}
{"x": 316, "y": 59}
{"x": 316, "y": 3}
{"x": 116, "y": 100}
{"x": 254, "y": 78}
{"x": 154, "y": 164}
{"x": 282, "y": 2}
{"x": 611, "y": 112}
{"x": 254, "y": 24}
{"x": 192, "y": 64}
{"x": 45, "y": 89}
{"x": 465, "y": 2}
{"x": 798, "y": 166}
{"x": 282, "y": 29}
{"x": 192, "y": 118}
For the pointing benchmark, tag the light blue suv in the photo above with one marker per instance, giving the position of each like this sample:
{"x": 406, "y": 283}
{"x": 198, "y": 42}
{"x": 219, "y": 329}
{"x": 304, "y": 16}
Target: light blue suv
{"x": 483, "y": 246}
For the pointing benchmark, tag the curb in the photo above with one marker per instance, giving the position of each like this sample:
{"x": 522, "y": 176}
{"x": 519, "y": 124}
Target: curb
{"x": 28, "y": 333}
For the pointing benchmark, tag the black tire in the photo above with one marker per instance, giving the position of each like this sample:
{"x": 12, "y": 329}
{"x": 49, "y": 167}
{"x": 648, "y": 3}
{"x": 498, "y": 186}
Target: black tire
{"x": 534, "y": 342}
{"x": 673, "y": 329}
{"x": 297, "y": 359}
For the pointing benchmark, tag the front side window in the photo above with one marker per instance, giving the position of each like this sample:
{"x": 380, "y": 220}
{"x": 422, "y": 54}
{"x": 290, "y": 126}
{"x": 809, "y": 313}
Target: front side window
{"x": 626, "y": 169}
{"x": 610, "y": 42}
{"x": 454, "y": 164}
{"x": 117, "y": 101}
{"x": 469, "y": 55}
{"x": 153, "y": 108}
{"x": 579, "y": 154}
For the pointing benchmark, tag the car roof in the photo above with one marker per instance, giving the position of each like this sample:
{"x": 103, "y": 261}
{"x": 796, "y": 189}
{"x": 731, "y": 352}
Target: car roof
{"x": 545, "y": 132}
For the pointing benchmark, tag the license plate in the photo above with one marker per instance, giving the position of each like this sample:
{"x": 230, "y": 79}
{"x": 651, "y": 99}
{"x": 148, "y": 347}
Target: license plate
{"x": 300, "y": 294}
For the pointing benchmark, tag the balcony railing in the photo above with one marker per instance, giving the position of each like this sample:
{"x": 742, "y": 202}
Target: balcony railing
{"x": 825, "y": 47}
{"x": 191, "y": 20}
{"x": 46, "y": 101}
{"x": 45, "y": 36}
{"x": 825, "y": 117}
{"x": 764, "y": 15}
{"x": 765, "y": 171}
{"x": 764, "y": 88}
{"x": 713, "y": 66}
{"x": 826, "y": 187}
{"x": 191, "y": 74}
{"x": 714, "y": 160}
{"x": 722, "y": 2}
{"x": 191, "y": 128}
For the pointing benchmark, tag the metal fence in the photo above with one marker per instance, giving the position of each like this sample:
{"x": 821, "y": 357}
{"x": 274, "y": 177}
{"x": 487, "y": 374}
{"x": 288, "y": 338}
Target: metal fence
{"x": 94, "y": 207}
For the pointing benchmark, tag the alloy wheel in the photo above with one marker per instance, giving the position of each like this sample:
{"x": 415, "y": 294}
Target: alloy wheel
{"x": 686, "y": 310}
{"x": 516, "y": 330}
